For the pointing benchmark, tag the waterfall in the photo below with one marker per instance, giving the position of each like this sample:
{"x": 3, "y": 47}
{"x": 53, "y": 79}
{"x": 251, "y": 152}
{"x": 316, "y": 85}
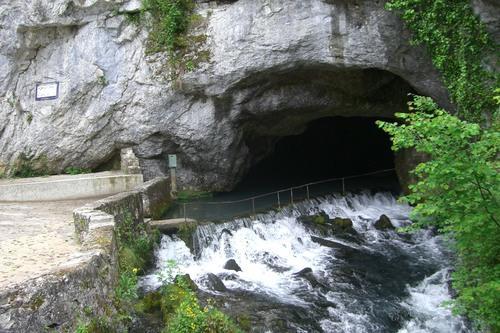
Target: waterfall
{"x": 377, "y": 281}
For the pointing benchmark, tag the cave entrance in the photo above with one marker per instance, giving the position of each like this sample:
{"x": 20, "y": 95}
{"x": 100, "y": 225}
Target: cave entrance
{"x": 329, "y": 147}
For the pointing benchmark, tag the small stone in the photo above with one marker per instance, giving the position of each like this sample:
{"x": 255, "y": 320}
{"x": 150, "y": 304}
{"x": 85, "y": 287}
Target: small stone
{"x": 383, "y": 223}
{"x": 232, "y": 265}
{"x": 215, "y": 283}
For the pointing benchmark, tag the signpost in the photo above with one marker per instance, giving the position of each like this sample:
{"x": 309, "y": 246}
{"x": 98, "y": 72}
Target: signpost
{"x": 172, "y": 164}
{"x": 47, "y": 91}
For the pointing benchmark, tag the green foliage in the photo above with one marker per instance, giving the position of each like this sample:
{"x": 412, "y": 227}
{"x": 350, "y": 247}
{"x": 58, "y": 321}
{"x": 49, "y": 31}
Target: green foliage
{"x": 133, "y": 17}
{"x": 189, "y": 195}
{"x": 171, "y": 19}
{"x": 127, "y": 286}
{"x": 95, "y": 325}
{"x": 186, "y": 231}
{"x": 26, "y": 167}
{"x": 458, "y": 44}
{"x": 458, "y": 191}
{"x": 183, "y": 313}
{"x": 76, "y": 170}
{"x": 29, "y": 117}
{"x": 135, "y": 245}
{"x": 172, "y": 30}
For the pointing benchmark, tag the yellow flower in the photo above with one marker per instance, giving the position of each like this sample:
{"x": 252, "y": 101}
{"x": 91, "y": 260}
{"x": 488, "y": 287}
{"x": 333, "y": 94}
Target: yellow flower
{"x": 135, "y": 270}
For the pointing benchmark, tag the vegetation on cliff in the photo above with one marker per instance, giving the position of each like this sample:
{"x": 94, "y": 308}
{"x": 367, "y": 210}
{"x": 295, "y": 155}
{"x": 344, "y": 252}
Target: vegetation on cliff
{"x": 458, "y": 188}
{"x": 460, "y": 48}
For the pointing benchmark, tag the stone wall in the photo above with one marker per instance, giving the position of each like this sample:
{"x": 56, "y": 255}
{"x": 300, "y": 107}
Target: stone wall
{"x": 86, "y": 283}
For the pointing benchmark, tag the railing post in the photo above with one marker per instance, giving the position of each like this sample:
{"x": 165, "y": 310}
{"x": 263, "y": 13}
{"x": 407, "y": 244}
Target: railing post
{"x": 185, "y": 217}
{"x": 253, "y": 206}
{"x": 291, "y": 195}
{"x": 307, "y": 189}
{"x": 279, "y": 202}
{"x": 343, "y": 186}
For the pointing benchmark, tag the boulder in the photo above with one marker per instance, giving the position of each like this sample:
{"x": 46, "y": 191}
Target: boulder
{"x": 186, "y": 280}
{"x": 307, "y": 274}
{"x": 232, "y": 265}
{"x": 215, "y": 283}
{"x": 342, "y": 226}
{"x": 383, "y": 223}
{"x": 321, "y": 218}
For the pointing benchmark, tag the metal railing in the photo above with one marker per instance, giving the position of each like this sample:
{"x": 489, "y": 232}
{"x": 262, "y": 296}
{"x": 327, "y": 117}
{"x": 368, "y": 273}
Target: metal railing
{"x": 275, "y": 199}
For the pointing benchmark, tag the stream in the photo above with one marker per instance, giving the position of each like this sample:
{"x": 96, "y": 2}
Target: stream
{"x": 374, "y": 281}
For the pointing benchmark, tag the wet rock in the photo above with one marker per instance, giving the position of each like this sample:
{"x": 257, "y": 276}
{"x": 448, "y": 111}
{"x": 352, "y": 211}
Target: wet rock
{"x": 330, "y": 243}
{"x": 383, "y": 223}
{"x": 186, "y": 279}
{"x": 321, "y": 218}
{"x": 226, "y": 231}
{"x": 215, "y": 283}
{"x": 307, "y": 274}
{"x": 342, "y": 225}
{"x": 317, "y": 223}
{"x": 232, "y": 265}
{"x": 303, "y": 272}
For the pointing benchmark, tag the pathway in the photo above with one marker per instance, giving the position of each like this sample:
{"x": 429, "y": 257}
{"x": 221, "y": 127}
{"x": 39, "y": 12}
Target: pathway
{"x": 35, "y": 238}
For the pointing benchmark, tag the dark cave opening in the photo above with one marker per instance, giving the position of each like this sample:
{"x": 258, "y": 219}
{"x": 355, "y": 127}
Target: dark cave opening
{"x": 329, "y": 147}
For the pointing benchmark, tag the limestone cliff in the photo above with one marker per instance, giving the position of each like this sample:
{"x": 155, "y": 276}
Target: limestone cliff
{"x": 272, "y": 66}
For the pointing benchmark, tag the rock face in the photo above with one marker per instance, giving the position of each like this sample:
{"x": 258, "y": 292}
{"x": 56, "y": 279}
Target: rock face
{"x": 260, "y": 83}
{"x": 383, "y": 223}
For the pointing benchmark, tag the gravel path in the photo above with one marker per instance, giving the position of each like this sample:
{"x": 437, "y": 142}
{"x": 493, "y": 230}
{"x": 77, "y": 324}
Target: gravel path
{"x": 35, "y": 238}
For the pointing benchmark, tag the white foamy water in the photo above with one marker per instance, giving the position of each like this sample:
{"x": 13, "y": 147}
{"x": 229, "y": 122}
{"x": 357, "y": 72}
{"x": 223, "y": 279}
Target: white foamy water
{"x": 384, "y": 283}
{"x": 426, "y": 305}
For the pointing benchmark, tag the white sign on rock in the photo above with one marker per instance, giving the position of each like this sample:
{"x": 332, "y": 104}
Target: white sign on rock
{"x": 47, "y": 91}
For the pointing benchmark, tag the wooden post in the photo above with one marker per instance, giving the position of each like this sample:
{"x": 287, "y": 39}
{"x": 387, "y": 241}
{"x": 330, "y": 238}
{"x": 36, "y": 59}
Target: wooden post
{"x": 307, "y": 189}
{"x": 279, "y": 203}
{"x": 291, "y": 195}
{"x": 343, "y": 186}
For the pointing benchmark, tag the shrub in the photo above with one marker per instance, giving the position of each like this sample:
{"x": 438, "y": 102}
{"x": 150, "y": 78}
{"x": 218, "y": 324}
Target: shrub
{"x": 76, "y": 170}
{"x": 183, "y": 313}
{"x": 458, "y": 191}
{"x": 171, "y": 20}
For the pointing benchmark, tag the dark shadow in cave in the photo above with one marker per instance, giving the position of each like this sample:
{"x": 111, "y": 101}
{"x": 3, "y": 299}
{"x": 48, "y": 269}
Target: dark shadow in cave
{"x": 330, "y": 147}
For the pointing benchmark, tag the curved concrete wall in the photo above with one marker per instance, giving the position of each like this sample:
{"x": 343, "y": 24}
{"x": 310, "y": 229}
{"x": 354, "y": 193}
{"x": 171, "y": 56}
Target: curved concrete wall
{"x": 67, "y": 187}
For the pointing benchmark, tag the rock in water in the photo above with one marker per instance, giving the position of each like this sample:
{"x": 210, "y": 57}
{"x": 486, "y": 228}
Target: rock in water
{"x": 307, "y": 274}
{"x": 214, "y": 283}
{"x": 303, "y": 272}
{"x": 232, "y": 265}
{"x": 383, "y": 223}
{"x": 342, "y": 226}
{"x": 321, "y": 218}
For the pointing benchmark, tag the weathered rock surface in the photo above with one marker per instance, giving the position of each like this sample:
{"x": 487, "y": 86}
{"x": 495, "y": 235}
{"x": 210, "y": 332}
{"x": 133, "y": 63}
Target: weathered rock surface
{"x": 336, "y": 58}
{"x": 232, "y": 265}
{"x": 215, "y": 283}
{"x": 383, "y": 223}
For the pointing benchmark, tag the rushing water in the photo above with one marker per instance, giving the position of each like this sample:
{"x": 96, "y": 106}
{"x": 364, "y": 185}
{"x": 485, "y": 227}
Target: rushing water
{"x": 378, "y": 281}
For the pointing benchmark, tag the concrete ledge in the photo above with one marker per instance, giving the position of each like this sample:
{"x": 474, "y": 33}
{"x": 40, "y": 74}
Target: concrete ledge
{"x": 67, "y": 187}
{"x": 170, "y": 226}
